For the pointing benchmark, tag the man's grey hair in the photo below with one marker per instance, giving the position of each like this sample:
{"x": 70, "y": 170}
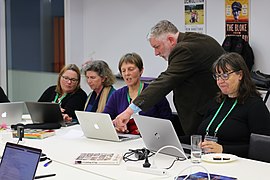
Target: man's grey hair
{"x": 161, "y": 28}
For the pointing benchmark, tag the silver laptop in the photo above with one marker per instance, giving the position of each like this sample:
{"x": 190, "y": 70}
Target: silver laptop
{"x": 11, "y": 113}
{"x": 99, "y": 126}
{"x": 19, "y": 162}
{"x": 157, "y": 133}
{"x": 46, "y": 113}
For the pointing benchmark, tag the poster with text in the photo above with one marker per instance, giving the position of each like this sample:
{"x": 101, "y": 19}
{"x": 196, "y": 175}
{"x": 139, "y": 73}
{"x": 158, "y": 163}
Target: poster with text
{"x": 237, "y": 20}
{"x": 195, "y": 16}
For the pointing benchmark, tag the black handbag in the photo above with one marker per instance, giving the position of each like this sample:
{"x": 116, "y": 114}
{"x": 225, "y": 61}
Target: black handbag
{"x": 261, "y": 80}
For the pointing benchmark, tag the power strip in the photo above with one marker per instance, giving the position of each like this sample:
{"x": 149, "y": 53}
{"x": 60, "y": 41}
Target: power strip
{"x": 155, "y": 171}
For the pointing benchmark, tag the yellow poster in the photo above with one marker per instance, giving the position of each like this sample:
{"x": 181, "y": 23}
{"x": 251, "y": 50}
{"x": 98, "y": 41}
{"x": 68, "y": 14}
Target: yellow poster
{"x": 237, "y": 18}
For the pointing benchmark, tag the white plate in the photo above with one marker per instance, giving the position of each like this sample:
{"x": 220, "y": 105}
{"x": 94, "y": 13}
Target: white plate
{"x": 219, "y": 158}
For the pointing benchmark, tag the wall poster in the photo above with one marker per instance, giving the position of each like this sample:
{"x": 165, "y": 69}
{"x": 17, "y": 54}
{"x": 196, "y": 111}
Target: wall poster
{"x": 237, "y": 18}
{"x": 195, "y": 16}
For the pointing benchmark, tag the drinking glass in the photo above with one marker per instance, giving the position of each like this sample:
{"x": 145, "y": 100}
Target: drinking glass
{"x": 196, "y": 151}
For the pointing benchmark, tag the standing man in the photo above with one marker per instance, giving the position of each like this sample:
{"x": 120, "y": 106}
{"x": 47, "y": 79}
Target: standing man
{"x": 190, "y": 57}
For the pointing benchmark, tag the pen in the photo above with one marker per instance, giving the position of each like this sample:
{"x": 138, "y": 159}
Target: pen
{"x": 44, "y": 176}
{"x": 47, "y": 163}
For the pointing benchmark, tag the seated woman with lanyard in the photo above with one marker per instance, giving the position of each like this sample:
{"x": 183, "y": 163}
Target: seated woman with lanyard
{"x": 236, "y": 112}
{"x": 67, "y": 92}
{"x": 100, "y": 79}
{"x": 131, "y": 68}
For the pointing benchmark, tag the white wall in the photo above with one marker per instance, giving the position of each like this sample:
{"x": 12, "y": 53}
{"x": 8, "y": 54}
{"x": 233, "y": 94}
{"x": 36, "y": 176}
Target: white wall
{"x": 113, "y": 28}
{"x": 74, "y": 29}
{"x": 259, "y": 38}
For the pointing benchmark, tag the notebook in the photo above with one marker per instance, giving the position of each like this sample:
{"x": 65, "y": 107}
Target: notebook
{"x": 19, "y": 162}
{"x": 99, "y": 126}
{"x": 11, "y": 113}
{"x": 99, "y": 158}
{"x": 46, "y": 112}
{"x": 157, "y": 133}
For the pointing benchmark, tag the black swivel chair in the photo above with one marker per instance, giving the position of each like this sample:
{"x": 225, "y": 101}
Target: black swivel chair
{"x": 259, "y": 147}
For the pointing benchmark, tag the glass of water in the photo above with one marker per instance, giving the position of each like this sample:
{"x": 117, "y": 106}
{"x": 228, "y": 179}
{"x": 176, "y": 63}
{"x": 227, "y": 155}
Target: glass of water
{"x": 196, "y": 150}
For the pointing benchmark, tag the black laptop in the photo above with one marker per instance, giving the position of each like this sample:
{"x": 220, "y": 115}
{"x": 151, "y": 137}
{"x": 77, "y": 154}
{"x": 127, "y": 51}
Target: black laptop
{"x": 46, "y": 115}
{"x": 19, "y": 162}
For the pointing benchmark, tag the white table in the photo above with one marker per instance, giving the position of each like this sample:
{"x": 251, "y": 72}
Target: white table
{"x": 69, "y": 142}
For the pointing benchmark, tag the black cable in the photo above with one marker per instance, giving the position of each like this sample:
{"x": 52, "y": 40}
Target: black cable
{"x": 126, "y": 156}
{"x": 146, "y": 164}
{"x": 20, "y": 133}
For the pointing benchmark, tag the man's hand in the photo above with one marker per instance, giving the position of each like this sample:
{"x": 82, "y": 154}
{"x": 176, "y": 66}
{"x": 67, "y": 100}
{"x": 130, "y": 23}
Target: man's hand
{"x": 122, "y": 129}
{"x": 122, "y": 119}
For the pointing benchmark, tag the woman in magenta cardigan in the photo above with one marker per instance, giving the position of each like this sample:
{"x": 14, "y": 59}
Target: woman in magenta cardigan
{"x": 131, "y": 69}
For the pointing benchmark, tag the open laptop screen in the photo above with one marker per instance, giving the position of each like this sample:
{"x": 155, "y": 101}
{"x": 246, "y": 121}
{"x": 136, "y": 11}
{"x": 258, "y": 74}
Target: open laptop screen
{"x": 19, "y": 162}
{"x": 99, "y": 126}
{"x": 44, "y": 112}
{"x": 46, "y": 115}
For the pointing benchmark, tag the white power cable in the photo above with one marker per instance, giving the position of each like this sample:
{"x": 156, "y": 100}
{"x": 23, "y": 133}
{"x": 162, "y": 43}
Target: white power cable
{"x": 164, "y": 147}
{"x": 169, "y": 146}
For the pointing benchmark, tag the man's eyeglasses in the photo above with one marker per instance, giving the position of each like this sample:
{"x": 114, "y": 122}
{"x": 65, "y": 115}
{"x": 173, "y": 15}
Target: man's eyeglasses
{"x": 66, "y": 79}
{"x": 224, "y": 76}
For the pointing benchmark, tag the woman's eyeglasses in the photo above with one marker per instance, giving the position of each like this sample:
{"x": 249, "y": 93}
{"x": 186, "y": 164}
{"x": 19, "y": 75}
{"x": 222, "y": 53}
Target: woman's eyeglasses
{"x": 73, "y": 80}
{"x": 224, "y": 76}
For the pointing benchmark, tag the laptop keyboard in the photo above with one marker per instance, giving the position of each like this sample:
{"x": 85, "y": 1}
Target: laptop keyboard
{"x": 70, "y": 123}
{"x": 122, "y": 137}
